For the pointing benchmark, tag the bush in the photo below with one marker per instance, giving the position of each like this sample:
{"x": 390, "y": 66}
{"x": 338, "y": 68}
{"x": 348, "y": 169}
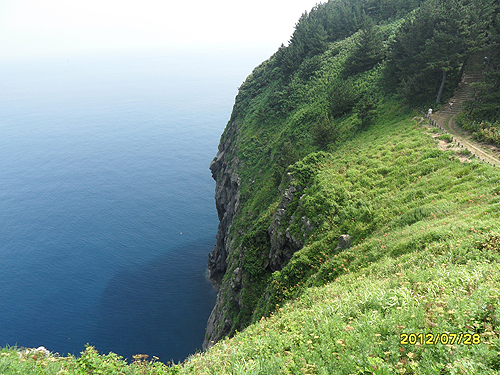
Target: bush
{"x": 323, "y": 133}
{"x": 342, "y": 97}
{"x": 446, "y": 137}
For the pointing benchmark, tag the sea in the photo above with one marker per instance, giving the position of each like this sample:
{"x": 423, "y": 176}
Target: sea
{"x": 107, "y": 211}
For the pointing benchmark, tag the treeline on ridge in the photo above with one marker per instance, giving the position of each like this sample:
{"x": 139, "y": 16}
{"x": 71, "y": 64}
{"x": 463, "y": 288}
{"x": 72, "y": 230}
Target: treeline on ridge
{"x": 429, "y": 51}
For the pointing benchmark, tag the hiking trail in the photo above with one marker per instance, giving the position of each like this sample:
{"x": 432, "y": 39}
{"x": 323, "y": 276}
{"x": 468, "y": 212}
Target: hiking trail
{"x": 446, "y": 116}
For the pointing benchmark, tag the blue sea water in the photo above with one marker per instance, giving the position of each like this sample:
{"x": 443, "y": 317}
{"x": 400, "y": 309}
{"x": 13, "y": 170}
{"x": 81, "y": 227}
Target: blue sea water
{"x": 106, "y": 201}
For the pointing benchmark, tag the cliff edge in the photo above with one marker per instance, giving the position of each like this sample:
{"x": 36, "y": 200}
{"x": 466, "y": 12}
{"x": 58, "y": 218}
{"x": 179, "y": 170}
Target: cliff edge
{"x": 224, "y": 172}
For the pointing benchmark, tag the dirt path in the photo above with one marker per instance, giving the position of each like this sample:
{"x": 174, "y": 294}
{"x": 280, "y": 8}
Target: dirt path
{"x": 446, "y": 118}
{"x": 483, "y": 151}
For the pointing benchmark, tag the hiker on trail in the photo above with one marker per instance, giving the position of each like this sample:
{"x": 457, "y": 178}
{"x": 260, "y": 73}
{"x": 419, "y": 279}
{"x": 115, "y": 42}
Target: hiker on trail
{"x": 429, "y": 112}
{"x": 450, "y": 104}
{"x": 485, "y": 61}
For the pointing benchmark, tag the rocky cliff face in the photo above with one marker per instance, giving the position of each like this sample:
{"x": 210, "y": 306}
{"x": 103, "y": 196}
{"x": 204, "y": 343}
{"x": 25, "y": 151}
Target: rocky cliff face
{"x": 226, "y": 270}
{"x": 283, "y": 242}
{"x": 227, "y": 196}
{"x": 223, "y": 169}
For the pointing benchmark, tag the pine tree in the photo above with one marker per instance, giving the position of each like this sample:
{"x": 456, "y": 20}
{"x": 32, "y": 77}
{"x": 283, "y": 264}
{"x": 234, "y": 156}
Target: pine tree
{"x": 430, "y": 48}
{"x": 369, "y": 50}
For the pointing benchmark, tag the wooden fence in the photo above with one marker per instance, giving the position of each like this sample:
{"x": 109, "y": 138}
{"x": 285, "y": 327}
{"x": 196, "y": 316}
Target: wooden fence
{"x": 435, "y": 124}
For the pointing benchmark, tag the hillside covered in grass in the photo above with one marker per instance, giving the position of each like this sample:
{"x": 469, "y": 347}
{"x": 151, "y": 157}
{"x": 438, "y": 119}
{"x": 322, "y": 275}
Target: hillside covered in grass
{"x": 325, "y": 141}
{"x": 350, "y": 68}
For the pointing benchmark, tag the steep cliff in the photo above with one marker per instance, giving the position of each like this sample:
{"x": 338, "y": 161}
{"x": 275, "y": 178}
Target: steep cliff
{"x": 346, "y": 63}
{"x": 227, "y": 194}
{"x": 227, "y": 268}
{"x": 224, "y": 172}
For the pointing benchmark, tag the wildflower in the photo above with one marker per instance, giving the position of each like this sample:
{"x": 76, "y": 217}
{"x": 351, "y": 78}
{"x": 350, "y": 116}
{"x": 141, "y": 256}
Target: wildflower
{"x": 411, "y": 355}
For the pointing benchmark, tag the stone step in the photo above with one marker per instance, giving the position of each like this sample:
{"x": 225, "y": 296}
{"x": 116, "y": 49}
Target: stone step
{"x": 465, "y": 92}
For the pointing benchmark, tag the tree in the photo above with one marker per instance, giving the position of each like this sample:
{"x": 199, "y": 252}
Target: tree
{"x": 366, "y": 109}
{"x": 369, "y": 50}
{"x": 323, "y": 133}
{"x": 309, "y": 35}
{"x": 308, "y": 40}
{"x": 430, "y": 48}
{"x": 342, "y": 97}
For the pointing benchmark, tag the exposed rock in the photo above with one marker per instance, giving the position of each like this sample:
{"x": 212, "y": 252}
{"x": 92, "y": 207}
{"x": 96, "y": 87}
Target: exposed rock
{"x": 216, "y": 319}
{"x": 236, "y": 282}
{"x": 344, "y": 242}
{"x": 287, "y": 233}
{"x": 227, "y": 197}
{"x": 40, "y": 352}
{"x": 288, "y": 195}
{"x": 306, "y": 223}
{"x": 283, "y": 243}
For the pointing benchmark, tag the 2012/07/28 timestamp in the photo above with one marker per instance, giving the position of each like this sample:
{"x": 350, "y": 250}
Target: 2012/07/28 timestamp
{"x": 440, "y": 338}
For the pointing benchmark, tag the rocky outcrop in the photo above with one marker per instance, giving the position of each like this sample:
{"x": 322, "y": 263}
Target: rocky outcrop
{"x": 283, "y": 243}
{"x": 288, "y": 230}
{"x": 40, "y": 352}
{"x": 344, "y": 242}
{"x": 286, "y": 233}
{"x": 218, "y": 324}
{"x": 227, "y": 197}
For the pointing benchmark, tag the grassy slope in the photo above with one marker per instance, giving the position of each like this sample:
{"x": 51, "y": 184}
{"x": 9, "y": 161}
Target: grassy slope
{"x": 430, "y": 265}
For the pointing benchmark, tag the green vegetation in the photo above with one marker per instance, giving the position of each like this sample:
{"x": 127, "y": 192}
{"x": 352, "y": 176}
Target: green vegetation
{"x": 312, "y": 97}
{"x": 482, "y": 118}
{"x": 374, "y": 188}
{"x": 31, "y": 362}
{"x": 483, "y": 131}
{"x": 327, "y": 145}
{"x": 354, "y": 325}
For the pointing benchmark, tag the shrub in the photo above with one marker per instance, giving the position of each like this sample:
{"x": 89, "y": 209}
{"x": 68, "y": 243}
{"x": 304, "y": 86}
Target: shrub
{"x": 446, "y": 137}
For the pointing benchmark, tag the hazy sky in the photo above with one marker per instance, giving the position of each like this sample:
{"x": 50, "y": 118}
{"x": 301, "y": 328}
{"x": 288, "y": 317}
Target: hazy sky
{"x": 58, "y": 27}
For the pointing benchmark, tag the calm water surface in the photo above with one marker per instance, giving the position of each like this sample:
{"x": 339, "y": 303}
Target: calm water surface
{"x": 106, "y": 201}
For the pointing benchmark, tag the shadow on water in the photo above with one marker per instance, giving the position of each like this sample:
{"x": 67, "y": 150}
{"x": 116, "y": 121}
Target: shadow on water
{"x": 160, "y": 309}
